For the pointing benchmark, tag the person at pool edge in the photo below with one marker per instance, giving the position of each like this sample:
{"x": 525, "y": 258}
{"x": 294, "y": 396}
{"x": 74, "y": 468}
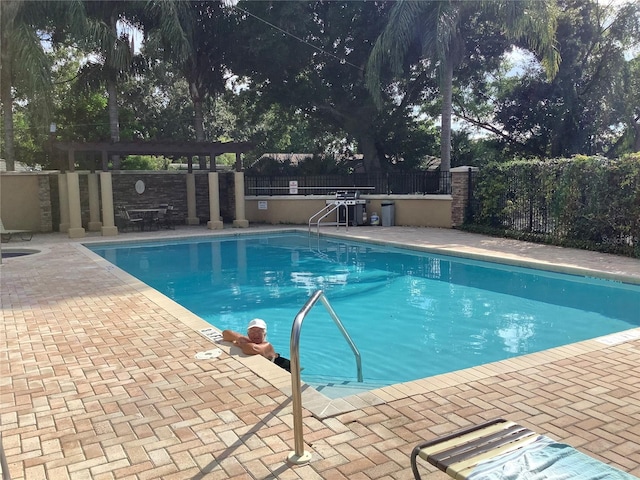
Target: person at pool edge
{"x": 255, "y": 343}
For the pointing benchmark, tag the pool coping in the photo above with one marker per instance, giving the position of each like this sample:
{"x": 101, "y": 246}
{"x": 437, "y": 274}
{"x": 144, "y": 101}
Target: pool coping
{"x": 321, "y": 406}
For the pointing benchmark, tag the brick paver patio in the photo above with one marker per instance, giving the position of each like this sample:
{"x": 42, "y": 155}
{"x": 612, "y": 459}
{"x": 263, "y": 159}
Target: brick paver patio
{"x": 99, "y": 381}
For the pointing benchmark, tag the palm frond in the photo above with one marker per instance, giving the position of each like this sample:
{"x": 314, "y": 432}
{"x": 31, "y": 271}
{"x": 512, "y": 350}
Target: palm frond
{"x": 392, "y": 45}
{"x": 29, "y": 55}
{"x": 174, "y": 20}
{"x": 535, "y": 22}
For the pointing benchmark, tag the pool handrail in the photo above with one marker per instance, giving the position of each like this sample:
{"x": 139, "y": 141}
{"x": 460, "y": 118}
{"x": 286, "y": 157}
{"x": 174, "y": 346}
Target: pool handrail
{"x": 299, "y": 456}
{"x": 327, "y": 210}
{"x": 3, "y": 462}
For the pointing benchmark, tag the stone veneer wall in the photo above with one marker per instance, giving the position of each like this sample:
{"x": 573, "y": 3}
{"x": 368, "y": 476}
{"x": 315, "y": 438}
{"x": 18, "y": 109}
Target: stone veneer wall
{"x": 44, "y": 201}
{"x": 54, "y": 201}
{"x": 460, "y": 193}
{"x": 160, "y": 187}
{"x": 171, "y": 188}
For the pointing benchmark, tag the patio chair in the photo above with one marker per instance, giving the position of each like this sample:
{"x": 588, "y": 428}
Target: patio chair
{"x": 124, "y": 221}
{"x": 151, "y": 220}
{"x": 6, "y": 235}
{"x": 500, "y": 449}
{"x": 167, "y": 218}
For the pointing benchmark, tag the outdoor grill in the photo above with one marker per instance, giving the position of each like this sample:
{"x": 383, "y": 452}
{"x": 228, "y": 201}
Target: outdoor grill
{"x": 347, "y": 195}
{"x": 350, "y": 199}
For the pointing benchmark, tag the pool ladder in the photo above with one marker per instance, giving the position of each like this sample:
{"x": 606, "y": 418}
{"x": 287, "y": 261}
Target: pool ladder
{"x": 299, "y": 456}
{"x": 317, "y": 218}
{"x": 3, "y": 462}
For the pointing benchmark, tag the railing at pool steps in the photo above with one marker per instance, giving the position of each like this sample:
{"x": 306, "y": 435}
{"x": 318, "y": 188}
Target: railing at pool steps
{"x": 339, "y": 250}
{"x": 3, "y": 462}
{"x": 316, "y": 218}
{"x": 299, "y": 456}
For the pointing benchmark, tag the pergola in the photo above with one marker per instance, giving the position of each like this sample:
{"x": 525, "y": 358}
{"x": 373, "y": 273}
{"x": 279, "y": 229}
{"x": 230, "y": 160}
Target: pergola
{"x": 155, "y": 147}
{"x": 69, "y": 185}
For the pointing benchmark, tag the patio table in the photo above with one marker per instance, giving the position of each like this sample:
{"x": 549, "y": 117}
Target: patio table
{"x": 150, "y": 216}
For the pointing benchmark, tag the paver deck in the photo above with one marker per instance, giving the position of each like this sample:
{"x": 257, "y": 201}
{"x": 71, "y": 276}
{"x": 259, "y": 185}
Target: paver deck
{"x": 99, "y": 380}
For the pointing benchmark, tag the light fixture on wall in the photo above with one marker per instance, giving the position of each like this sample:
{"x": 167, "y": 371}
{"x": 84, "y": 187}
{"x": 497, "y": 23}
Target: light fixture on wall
{"x": 140, "y": 187}
{"x": 52, "y": 137}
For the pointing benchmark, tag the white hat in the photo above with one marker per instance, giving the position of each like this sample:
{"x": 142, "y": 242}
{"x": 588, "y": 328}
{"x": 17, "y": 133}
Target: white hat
{"x": 257, "y": 323}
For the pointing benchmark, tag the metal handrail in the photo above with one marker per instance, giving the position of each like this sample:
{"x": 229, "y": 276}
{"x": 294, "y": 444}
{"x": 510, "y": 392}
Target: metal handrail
{"x": 328, "y": 189}
{"x": 328, "y": 211}
{"x": 3, "y": 462}
{"x": 299, "y": 456}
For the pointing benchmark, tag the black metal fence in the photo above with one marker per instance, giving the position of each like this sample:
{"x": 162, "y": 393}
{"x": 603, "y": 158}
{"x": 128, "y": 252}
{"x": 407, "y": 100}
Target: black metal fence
{"x": 522, "y": 206}
{"x": 560, "y": 204}
{"x": 421, "y": 183}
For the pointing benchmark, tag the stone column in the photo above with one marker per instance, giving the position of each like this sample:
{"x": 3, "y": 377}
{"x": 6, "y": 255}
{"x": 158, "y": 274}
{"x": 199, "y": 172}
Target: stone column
{"x": 63, "y": 194}
{"x": 108, "y": 220}
{"x": 460, "y": 194}
{"x": 192, "y": 219}
{"x": 94, "y": 203}
{"x": 75, "y": 215}
{"x": 214, "y": 203}
{"x": 44, "y": 200}
{"x": 240, "y": 221}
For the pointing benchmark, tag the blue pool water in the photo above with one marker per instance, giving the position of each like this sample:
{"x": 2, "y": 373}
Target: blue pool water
{"x": 411, "y": 314}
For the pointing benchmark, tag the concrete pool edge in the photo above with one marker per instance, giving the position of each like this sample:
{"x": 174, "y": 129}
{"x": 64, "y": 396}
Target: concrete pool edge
{"x": 502, "y": 258}
{"x": 315, "y": 402}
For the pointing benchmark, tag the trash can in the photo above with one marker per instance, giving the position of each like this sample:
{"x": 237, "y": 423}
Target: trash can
{"x": 388, "y": 214}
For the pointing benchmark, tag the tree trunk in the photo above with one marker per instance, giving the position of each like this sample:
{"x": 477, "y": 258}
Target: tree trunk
{"x": 112, "y": 94}
{"x": 445, "y": 133}
{"x": 198, "y": 124}
{"x": 7, "y": 106}
{"x": 369, "y": 151}
{"x": 114, "y": 123}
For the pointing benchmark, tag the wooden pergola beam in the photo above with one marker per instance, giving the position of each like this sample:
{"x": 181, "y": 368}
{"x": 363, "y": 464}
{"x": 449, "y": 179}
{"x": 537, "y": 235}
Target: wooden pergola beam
{"x": 167, "y": 149}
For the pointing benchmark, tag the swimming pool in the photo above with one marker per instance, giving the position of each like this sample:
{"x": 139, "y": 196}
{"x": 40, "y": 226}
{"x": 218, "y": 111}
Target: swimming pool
{"x": 411, "y": 314}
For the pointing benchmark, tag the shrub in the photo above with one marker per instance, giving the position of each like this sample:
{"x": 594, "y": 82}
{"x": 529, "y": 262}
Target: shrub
{"x": 585, "y": 202}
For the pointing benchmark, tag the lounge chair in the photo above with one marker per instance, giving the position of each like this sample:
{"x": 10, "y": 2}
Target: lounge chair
{"x": 500, "y": 449}
{"x": 6, "y": 235}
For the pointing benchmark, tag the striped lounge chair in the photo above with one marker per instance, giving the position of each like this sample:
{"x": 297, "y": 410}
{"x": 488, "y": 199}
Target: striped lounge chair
{"x": 503, "y": 450}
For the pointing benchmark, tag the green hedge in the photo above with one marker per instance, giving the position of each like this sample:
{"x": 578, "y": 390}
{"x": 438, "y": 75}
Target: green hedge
{"x": 584, "y": 202}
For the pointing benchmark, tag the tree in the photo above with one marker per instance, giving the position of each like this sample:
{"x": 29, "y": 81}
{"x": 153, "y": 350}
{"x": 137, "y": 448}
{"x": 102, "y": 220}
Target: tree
{"x": 436, "y": 25}
{"x": 109, "y": 38}
{"x": 113, "y": 53}
{"x": 196, "y": 47}
{"x": 151, "y": 99}
{"x": 158, "y": 107}
{"x": 633, "y": 112}
{"x": 24, "y": 66}
{"x": 309, "y": 57}
{"x": 25, "y": 71}
{"x": 591, "y": 106}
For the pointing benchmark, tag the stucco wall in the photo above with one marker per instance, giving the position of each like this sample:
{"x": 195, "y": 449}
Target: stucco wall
{"x": 30, "y": 201}
{"x": 20, "y": 201}
{"x": 415, "y": 210}
{"x": 410, "y": 210}
{"x": 285, "y": 209}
